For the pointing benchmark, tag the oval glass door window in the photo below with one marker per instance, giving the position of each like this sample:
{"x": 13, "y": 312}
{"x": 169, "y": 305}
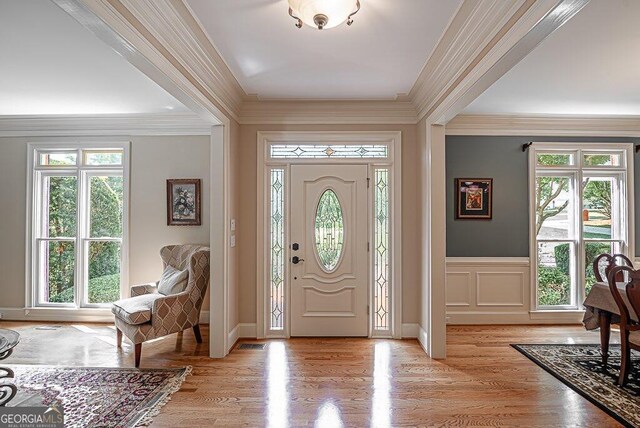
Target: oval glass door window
{"x": 329, "y": 230}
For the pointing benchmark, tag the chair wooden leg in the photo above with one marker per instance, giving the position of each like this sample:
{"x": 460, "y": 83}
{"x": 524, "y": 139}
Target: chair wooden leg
{"x": 605, "y": 332}
{"x": 138, "y": 351}
{"x": 196, "y": 331}
{"x": 625, "y": 358}
{"x": 119, "y": 337}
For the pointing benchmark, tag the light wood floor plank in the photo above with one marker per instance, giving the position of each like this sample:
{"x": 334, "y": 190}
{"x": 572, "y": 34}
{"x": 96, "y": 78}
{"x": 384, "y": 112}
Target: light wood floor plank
{"x": 354, "y": 382}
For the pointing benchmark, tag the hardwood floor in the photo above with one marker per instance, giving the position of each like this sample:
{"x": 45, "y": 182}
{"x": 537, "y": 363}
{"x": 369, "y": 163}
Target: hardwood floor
{"x": 353, "y": 382}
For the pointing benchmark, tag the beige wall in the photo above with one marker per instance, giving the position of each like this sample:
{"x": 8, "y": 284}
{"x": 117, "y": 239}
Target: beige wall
{"x": 153, "y": 160}
{"x": 410, "y": 214}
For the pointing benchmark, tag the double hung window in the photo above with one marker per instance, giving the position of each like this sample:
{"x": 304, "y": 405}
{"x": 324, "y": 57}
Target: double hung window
{"x": 580, "y": 202}
{"x": 78, "y": 212}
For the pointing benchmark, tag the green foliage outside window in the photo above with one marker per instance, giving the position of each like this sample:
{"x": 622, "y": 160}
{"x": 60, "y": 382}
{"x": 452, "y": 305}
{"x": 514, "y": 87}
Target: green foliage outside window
{"x": 104, "y": 257}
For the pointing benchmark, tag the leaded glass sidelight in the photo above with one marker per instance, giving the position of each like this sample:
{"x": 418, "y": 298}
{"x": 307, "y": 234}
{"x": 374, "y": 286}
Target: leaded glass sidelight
{"x": 277, "y": 249}
{"x": 329, "y": 230}
{"x": 381, "y": 250}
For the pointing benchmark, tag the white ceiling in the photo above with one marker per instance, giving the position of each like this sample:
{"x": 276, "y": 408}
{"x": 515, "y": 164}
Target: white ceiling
{"x": 378, "y": 57}
{"x": 590, "y": 66}
{"x": 53, "y": 65}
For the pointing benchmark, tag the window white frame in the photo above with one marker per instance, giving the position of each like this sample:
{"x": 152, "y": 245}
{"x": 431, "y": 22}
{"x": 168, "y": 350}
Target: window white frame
{"x": 576, "y": 172}
{"x": 393, "y": 161}
{"x": 35, "y": 172}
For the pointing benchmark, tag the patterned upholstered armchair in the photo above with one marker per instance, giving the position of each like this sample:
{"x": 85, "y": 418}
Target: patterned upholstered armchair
{"x": 149, "y": 314}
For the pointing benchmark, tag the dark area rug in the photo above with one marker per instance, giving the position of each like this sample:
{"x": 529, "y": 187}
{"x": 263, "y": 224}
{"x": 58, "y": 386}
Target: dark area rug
{"x": 98, "y": 397}
{"x": 580, "y": 368}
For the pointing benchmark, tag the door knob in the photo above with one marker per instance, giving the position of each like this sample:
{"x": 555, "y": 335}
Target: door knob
{"x": 295, "y": 260}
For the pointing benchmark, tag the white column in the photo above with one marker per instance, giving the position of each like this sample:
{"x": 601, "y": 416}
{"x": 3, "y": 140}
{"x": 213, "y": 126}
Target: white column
{"x": 218, "y": 243}
{"x": 432, "y": 334}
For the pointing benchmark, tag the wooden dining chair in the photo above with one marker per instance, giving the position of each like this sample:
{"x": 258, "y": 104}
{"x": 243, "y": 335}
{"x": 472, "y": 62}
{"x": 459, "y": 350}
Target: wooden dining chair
{"x": 603, "y": 264}
{"x": 629, "y": 329}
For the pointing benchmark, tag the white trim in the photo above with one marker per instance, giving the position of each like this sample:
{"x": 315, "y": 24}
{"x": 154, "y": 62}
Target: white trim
{"x": 309, "y": 112}
{"x": 232, "y": 338}
{"x": 394, "y": 140}
{"x": 487, "y": 261}
{"x": 518, "y": 317}
{"x": 247, "y": 330}
{"x": 545, "y": 125}
{"x": 67, "y": 315}
{"x": 423, "y": 339}
{"x": 103, "y": 125}
{"x": 219, "y": 242}
{"x": 187, "y": 66}
{"x": 410, "y": 330}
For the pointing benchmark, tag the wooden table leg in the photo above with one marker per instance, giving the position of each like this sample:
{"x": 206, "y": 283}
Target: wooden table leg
{"x": 604, "y": 318}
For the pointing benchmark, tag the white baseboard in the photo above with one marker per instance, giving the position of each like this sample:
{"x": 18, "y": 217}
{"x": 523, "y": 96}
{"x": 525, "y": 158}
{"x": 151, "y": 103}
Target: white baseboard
{"x": 67, "y": 315}
{"x": 232, "y": 338}
{"x": 423, "y": 339}
{"x": 410, "y": 331}
{"x": 524, "y": 317}
{"x": 204, "y": 317}
{"x": 247, "y": 331}
{"x": 57, "y": 314}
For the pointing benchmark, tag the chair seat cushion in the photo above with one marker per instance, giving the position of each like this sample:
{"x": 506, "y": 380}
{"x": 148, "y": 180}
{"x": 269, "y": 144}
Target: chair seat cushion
{"x": 136, "y": 310}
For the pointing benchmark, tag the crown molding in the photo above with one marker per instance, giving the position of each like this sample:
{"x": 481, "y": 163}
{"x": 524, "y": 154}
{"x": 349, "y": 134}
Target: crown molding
{"x": 468, "y": 33}
{"x": 162, "y": 40}
{"x": 327, "y": 112}
{"x": 543, "y": 125}
{"x": 173, "y": 24}
{"x": 103, "y": 125}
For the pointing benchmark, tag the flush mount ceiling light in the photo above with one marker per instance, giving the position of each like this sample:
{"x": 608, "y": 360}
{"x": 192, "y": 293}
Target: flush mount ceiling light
{"x": 323, "y": 13}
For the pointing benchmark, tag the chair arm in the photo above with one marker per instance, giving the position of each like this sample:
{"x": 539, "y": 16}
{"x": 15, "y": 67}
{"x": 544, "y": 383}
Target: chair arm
{"x": 166, "y": 305}
{"x": 139, "y": 290}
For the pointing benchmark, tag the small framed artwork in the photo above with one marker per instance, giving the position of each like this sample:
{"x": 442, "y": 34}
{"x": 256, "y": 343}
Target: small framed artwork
{"x": 474, "y": 198}
{"x": 183, "y": 202}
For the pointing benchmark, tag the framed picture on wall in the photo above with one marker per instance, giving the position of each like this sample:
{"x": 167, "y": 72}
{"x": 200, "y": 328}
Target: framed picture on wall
{"x": 474, "y": 198}
{"x": 183, "y": 202}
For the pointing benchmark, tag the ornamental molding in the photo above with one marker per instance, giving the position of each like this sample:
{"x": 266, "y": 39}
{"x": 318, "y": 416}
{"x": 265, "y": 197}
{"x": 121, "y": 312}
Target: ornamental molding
{"x": 543, "y": 125}
{"x": 165, "y": 40}
{"x": 104, "y": 125}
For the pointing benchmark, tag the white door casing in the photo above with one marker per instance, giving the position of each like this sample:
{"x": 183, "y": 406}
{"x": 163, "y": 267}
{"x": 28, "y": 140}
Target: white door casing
{"x": 329, "y": 300}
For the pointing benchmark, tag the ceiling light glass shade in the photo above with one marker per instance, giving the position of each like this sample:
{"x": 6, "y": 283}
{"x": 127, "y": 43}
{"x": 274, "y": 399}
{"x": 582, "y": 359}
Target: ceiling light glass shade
{"x": 311, "y": 12}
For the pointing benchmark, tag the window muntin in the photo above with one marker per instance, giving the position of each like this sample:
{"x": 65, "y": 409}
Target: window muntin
{"x": 324, "y": 151}
{"x": 587, "y": 217}
{"x": 103, "y": 157}
{"x": 78, "y": 218}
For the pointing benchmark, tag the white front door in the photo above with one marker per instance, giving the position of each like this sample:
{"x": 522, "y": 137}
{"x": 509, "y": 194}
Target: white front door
{"x": 329, "y": 266}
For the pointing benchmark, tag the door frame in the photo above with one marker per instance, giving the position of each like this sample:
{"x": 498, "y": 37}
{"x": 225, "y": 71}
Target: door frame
{"x": 393, "y": 141}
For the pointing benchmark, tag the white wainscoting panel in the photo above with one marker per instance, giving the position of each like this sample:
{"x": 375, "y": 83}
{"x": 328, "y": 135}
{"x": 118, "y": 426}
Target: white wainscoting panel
{"x": 500, "y": 288}
{"x": 484, "y": 290}
{"x": 487, "y": 290}
{"x": 458, "y": 288}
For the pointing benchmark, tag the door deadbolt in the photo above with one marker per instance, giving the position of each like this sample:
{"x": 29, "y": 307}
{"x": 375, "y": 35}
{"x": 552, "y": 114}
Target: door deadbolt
{"x": 295, "y": 247}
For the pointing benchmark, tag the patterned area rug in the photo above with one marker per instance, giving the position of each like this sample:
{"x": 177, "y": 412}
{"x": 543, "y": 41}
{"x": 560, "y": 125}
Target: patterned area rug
{"x": 98, "y": 397}
{"x": 580, "y": 368}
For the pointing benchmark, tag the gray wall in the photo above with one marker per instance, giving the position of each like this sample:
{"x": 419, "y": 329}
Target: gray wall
{"x": 501, "y": 158}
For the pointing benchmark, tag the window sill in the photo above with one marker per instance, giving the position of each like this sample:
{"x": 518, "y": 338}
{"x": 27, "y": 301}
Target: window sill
{"x": 67, "y": 314}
